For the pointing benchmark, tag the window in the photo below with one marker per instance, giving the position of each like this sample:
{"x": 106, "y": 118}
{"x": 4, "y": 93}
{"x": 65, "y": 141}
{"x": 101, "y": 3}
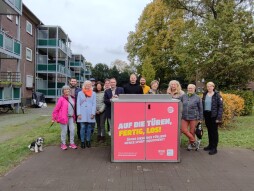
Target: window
{"x": 10, "y": 17}
{"x": 29, "y": 27}
{"x": 17, "y": 20}
{"x": 29, "y": 81}
{"x": 29, "y": 54}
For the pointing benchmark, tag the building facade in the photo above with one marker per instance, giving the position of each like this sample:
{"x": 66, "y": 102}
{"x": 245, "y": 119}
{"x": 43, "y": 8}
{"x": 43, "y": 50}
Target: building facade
{"x": 33, "y": 56}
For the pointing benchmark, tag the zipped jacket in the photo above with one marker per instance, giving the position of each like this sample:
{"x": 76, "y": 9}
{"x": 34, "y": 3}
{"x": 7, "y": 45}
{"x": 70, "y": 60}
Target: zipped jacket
{"x": 217, "y": 105}
{"x": 192, "y": 107}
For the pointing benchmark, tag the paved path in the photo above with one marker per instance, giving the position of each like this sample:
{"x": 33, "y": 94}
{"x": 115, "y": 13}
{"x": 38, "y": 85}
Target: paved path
{"x": 91, "y": 170}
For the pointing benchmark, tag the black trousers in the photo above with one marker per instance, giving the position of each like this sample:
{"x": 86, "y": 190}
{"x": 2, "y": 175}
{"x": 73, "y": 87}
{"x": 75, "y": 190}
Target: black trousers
{"x": 212, "y": 128}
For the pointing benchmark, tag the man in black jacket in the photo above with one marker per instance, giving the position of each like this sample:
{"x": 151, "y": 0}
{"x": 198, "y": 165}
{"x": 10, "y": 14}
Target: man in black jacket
{"x": 133, "y": 87}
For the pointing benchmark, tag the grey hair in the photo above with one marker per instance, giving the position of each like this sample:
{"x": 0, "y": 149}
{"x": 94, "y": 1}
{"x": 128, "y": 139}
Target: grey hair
{"x": 86, "y": 82}
{"x": 65, "y": 87}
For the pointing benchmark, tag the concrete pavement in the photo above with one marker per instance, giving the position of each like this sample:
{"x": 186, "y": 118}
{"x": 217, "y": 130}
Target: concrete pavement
{"x": 91, "y": 170}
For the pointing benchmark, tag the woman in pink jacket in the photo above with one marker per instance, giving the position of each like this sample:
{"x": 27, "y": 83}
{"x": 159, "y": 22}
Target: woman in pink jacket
{"x": 64, "y": 113}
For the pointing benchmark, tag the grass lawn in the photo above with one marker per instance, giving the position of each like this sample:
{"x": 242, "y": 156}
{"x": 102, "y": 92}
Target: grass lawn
{"x": 15, "y": 150}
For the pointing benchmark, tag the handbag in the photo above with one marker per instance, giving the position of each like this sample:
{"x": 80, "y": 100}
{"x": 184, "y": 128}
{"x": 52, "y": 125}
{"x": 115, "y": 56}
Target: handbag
{"x": 199, "y": 130}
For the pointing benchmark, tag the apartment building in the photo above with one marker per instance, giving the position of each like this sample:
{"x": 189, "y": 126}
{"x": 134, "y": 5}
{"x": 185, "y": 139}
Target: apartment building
{"x": 34, "y": 56}
{"x": 28, "y": 36}
{"x": 10, "y": 51}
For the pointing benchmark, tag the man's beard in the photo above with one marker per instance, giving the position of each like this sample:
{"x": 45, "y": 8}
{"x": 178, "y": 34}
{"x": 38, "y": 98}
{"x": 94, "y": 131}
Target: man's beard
{"x": 142, "y": 84}
{"x": 71, "y": 86}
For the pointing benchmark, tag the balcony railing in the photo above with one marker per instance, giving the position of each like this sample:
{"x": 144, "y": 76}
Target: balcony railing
{"x": 88, "y": 72}
{"x": 77, "y": 64}
{"x": 10, "y": 46}
{"x": 53, "y": 42}
{"x": 50, "y": 92}
{"x": 53, "y": 68}
{"x": 10, "y": 76}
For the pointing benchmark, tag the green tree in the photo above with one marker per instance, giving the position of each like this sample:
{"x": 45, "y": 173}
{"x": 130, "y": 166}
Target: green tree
{"x": 100, "y": 72}
{"x": 218, "y": 41}
{"x": 147, "y": 71}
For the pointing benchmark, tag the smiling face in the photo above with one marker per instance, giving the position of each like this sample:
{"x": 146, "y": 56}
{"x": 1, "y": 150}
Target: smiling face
{"x": 154, "y": 86}
{"x": 142, "y": 81}
{"x": 73, "y": 82}
{"x": 66, "y": 92}
{"x": 112, "y": 83}
{"x": 99, "y": 87}
{"x": 133, "y": 79}
{"x": 107, "y": 84}
{"x": 88, "y": 86}
{"x": 191, "y": 88}
{"x": 173, "y": 86}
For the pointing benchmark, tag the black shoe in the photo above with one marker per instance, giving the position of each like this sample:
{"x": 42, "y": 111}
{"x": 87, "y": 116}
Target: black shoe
{"x": 207, "y": 148}
{"x": 83, "y": 145}
{"x": 88, "y": 143}
{"x": 102, "y": 139}
{"x": 213, "y": 152}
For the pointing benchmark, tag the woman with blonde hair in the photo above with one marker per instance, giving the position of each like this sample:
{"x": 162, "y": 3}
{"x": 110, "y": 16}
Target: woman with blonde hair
{"x": 213, "y": 109}
{"x": 175, "y": 89}
{"x": 154, "y": 87}
{"x": 86, "y": 110}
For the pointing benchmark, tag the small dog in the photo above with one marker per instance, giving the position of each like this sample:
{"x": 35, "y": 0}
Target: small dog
{"x": 36, "y": 146}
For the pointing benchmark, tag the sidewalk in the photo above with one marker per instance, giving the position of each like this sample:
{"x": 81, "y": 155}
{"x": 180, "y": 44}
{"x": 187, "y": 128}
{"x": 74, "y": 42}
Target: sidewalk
{"x": 91, "y": 170}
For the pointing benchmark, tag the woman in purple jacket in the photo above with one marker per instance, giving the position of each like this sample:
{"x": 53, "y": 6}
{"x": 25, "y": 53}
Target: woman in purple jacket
{"x": 64, "y": 114}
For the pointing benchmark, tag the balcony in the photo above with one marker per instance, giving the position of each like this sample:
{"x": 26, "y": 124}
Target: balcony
{"x": 54, "y": 43}
{"x": 77, "y": 64}
{"x": 9, "y": 91}
{"x": 53, "y": 68}
{"x": 9, "y": 47}
{"x": 16, "y": 6}
{"x": 88, "y": 72}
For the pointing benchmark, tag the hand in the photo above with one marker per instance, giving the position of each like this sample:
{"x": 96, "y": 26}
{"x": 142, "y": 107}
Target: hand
{"x": 115, "y": 96}
{"x": 97, "y": 112}
{"x": 79, "y": 117}
{"x": 92, "y": 116}
{"x": 53, "y": 121}
{"x": 218, "y": 121}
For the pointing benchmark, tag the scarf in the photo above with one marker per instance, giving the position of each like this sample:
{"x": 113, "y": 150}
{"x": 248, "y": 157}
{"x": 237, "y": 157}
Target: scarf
{"x": 88, "y": 93}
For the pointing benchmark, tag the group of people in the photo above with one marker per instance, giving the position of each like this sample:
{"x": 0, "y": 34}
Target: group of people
{"x": 91, "y": 105}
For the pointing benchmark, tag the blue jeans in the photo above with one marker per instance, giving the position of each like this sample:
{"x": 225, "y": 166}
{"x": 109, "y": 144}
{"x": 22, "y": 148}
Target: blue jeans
{"x": 85, "y": 131}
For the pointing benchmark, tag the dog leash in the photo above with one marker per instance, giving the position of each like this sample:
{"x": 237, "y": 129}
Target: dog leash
{"x": 51, "y": 124}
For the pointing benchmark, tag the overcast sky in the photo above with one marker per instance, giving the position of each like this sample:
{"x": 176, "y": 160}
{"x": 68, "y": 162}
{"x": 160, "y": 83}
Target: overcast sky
{"x": 98, "y": 29}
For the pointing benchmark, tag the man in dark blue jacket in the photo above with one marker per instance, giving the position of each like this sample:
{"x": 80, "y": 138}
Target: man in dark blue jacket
{"x": 109, "y": 94}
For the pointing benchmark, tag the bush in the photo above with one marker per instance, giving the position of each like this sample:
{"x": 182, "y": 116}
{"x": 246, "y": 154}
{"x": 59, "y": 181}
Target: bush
{"x": 233, "y": 105}
{"x": 248, "y": 97}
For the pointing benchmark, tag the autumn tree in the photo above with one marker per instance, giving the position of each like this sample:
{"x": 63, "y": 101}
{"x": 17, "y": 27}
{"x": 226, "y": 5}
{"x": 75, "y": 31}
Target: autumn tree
{"x": 156, "y": 34}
